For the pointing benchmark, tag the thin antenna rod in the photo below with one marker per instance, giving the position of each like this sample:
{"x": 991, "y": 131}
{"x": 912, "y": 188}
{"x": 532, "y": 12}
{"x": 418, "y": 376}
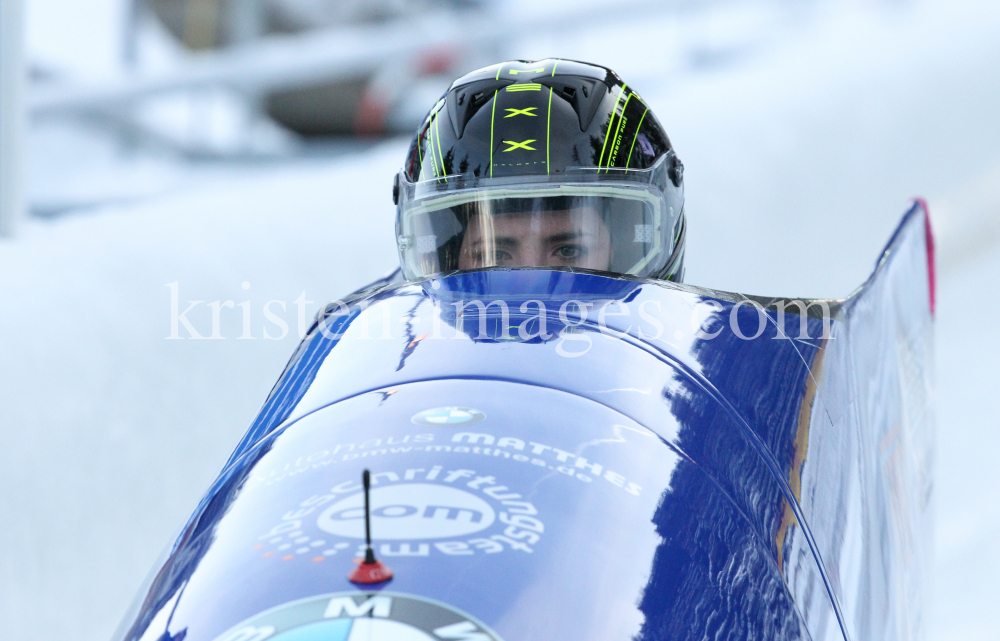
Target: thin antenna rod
{"x": 370, "y": 570}
{"x": 367, "y": 479}
{"x": 369, "y": 554}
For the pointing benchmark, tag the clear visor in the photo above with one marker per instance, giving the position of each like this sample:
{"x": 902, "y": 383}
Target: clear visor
{"x": 617, "y": 226}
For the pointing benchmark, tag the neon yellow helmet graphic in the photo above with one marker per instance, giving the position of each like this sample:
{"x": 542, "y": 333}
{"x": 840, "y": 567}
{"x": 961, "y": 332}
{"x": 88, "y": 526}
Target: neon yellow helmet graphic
{"x": 552, "y": 163}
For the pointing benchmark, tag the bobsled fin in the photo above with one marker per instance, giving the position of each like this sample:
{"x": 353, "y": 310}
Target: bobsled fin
{"x": 913, "y": 234}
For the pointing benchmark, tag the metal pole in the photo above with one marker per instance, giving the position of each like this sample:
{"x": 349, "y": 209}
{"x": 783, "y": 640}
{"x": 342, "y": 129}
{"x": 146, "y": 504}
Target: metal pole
{"x": 12, "y": 115}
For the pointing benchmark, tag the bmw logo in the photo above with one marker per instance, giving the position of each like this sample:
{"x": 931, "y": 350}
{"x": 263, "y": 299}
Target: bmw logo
{"x": 449, "y": 416}
{"x": 361, "y": 616}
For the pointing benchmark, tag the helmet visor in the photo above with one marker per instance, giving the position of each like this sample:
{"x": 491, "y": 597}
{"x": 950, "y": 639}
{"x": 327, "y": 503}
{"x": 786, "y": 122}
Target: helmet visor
{"x": 622, "y": 227}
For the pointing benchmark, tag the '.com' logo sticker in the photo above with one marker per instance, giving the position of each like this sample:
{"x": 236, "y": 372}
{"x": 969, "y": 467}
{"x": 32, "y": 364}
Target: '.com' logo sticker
{"x": 449, "y": 416}
{"x": 418, "y": 512}
{"x": 357, "y": 616}
{"x": 413, "y": 511}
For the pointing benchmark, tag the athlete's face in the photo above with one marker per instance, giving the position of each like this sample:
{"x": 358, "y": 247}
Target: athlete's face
{"x": 563, "y": 238}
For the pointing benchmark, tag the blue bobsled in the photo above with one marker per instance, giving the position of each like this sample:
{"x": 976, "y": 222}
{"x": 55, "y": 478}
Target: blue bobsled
{"x": 559, "y": 455}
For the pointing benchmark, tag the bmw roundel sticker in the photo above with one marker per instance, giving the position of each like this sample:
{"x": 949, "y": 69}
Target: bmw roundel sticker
{"x": 449, "y": 416}
{"x": 360, "y": 616}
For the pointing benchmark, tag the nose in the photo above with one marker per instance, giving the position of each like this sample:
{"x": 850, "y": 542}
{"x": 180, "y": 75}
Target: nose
{"x": 533, "y": 254}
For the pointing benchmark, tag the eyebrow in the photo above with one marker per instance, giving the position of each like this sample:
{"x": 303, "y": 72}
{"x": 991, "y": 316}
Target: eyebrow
{"x": 569, "y": 235}
{"x": 499, "y": 241}
{"x": 513, "y": 241}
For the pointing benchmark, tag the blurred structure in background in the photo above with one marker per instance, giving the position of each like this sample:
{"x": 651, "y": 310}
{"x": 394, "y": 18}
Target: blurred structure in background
{"x": 223, "y": 78}
{"x": 202, "y": 81}
{"x": 11, "y": 114}
{"x": 364, "y": 100}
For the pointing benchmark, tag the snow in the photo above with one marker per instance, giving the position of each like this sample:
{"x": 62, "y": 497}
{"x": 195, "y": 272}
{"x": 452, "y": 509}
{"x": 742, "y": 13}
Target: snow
{"x": 803, "y": 130}
{"x": 967, "y": 512}
{"x": 112, "y": 433}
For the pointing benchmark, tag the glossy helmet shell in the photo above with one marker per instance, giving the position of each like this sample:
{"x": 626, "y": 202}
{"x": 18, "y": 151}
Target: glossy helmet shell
{"x": 530, "y": 118}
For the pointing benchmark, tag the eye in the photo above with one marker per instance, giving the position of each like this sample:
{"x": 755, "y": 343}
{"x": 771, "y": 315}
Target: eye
{"x": 500, "y": 257}
{"x": 570, "y": 252}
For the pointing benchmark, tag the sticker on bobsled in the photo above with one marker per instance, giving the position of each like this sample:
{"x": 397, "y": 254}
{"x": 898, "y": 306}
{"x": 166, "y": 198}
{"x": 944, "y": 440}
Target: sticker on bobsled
{"x": 449, "y": 416}
{"x": 358, "y": 616}
{"x": 480, "y": 444}
{"x": 414, "y": 511}
{"x": 417, "y": 513}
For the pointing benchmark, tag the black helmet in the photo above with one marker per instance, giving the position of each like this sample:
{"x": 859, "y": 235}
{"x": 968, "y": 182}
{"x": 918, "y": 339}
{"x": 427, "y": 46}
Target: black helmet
{"x": 551, "y": 163}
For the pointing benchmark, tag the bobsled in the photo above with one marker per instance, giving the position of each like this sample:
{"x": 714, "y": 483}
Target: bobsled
{"x": 558, "y": 454}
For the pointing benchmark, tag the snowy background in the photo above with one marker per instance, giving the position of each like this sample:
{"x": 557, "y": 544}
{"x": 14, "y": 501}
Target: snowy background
{"x": 804, "y": 128}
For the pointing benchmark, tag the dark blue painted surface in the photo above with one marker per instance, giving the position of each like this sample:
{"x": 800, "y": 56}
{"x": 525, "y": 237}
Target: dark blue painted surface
{"x": 648, "y": 476}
